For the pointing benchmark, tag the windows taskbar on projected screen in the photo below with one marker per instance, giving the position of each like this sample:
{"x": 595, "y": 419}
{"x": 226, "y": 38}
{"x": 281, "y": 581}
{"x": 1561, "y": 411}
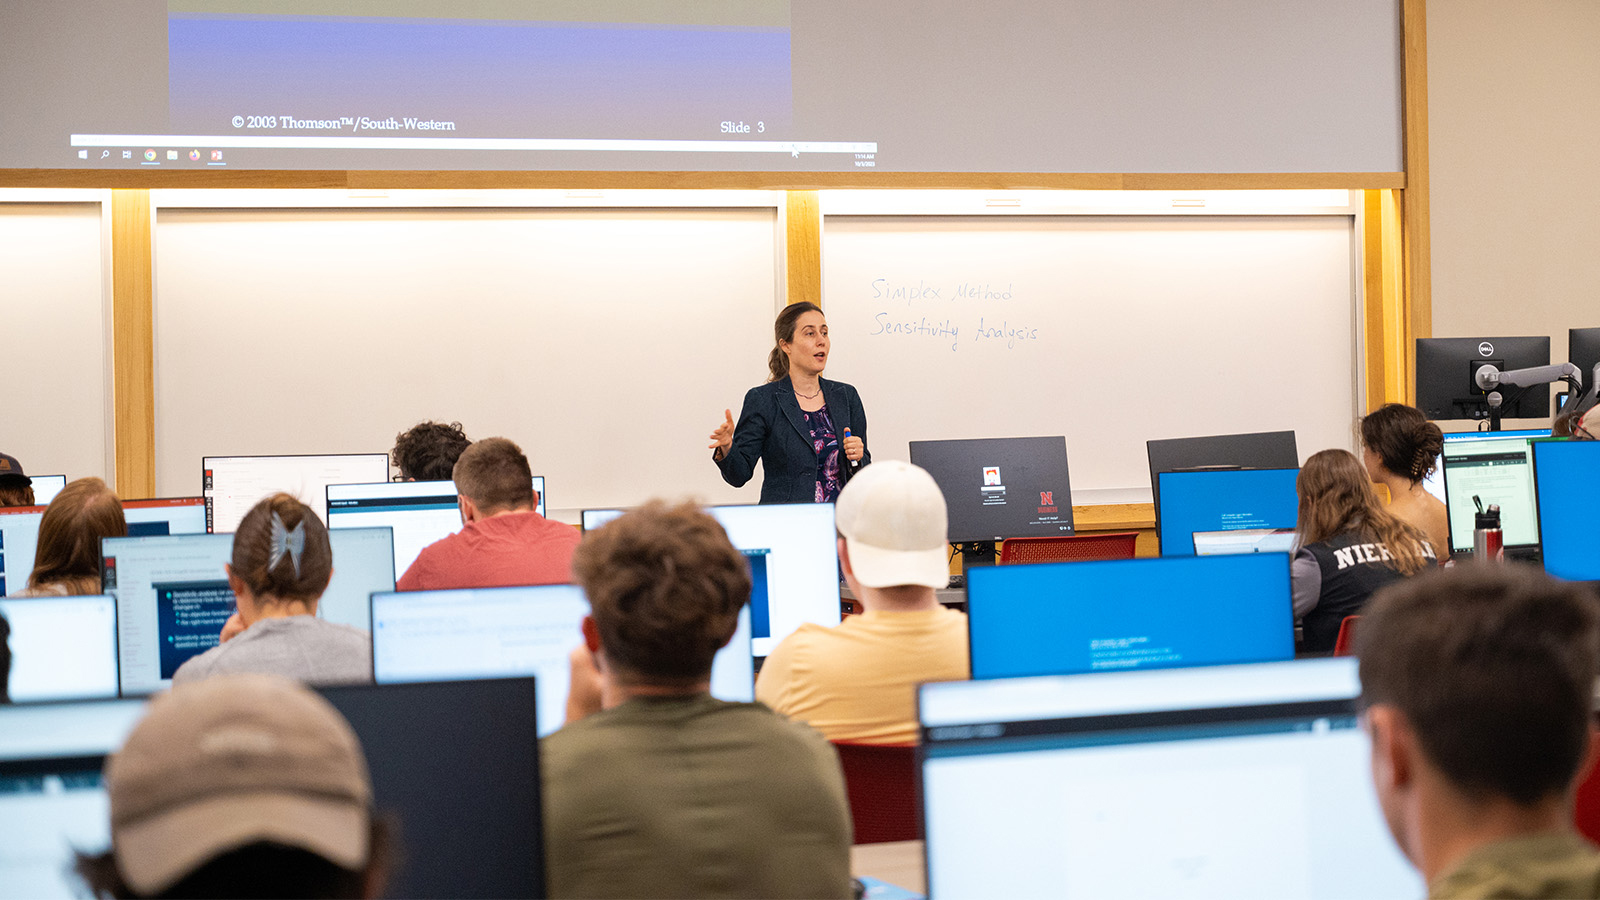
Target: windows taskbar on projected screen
{"x": 201, "y": 151}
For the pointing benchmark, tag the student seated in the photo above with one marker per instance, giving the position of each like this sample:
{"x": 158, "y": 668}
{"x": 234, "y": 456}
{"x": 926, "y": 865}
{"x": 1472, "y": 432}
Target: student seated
{"x": 427, "y": 451}
{"x": 16, "y": 488}
{"x": 503, "y": 541}
{"x": 240, "y": 786}
{"x": 66, "y": 561}
{"x": 1477, "y": 685}
{"x": 1400, "y": 449}
{"x": 282, "y": 563}
{"x": 668, "y": 792}
{"x": 1349, "y": 546}
{"x": 856, "y": 681}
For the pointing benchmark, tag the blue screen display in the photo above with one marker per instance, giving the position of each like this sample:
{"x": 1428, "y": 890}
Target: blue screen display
{"x": 1069, "y": 618}
{"x": 1569, "y": 519}
{"x": 1225, "y": 500}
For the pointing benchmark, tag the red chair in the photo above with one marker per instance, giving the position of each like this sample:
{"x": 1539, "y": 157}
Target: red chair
{"x": 1073, "y": 548}
{"x": 881, "y": 780}
{"x": 1343, "y": 645}
{"x": 1586, "y": 811}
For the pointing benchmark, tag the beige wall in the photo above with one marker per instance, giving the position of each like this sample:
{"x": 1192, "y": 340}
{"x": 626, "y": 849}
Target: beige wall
{"x": 1514, "y": 130}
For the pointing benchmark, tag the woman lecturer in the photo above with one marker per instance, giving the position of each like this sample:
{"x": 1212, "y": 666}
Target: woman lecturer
{"x": 808, "y": 433}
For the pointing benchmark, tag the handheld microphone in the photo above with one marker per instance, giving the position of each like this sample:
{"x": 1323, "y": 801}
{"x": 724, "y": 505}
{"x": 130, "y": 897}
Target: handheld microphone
{"x": 854, "y": 463}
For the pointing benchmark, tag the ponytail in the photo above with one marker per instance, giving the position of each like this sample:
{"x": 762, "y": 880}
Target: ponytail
{"x": 782, "y": 333}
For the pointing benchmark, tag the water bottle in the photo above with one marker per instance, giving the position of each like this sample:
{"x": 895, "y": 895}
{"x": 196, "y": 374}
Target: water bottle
{"x": 1488, "y": 541}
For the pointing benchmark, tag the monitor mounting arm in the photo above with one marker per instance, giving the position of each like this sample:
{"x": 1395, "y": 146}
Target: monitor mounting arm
{"x": 1491, "y": 379}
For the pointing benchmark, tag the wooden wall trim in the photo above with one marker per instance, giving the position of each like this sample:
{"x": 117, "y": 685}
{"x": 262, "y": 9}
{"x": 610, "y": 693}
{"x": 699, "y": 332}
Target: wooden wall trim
{"x": 133, "y": 344}
{"x": 766, "y": 181}
{"x": 1386, "y": 324}
{"x": 803, "y": 247}
{"x": 1414, "y": 201}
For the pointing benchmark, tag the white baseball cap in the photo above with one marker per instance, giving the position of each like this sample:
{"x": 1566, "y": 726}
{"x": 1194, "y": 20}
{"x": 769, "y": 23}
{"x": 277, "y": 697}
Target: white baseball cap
{"x": 892, "y": 515}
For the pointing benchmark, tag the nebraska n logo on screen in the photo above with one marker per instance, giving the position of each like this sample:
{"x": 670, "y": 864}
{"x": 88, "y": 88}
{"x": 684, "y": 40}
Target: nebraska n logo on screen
{"x": 1047, "y": 498}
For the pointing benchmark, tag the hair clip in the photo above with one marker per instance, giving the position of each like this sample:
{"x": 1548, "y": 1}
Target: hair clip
{"x": 286, "y": 540}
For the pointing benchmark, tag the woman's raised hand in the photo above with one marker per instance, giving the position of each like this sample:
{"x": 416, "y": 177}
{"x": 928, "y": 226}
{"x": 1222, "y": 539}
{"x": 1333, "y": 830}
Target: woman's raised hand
{"x": 722, "y": 438}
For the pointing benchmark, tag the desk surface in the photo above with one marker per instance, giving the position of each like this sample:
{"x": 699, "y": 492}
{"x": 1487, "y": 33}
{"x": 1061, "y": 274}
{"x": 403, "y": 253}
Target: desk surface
{"x": 897, "y": 862}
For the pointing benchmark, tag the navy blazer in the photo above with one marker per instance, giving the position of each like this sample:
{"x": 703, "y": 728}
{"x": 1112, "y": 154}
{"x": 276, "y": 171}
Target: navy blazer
{"x": 772, "y": 429}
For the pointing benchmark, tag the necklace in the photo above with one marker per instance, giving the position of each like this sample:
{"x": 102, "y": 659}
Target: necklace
{"x": 808, "y": 396}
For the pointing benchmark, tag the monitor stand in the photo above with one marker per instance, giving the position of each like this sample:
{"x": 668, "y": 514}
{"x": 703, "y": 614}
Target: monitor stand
{"x": 976, "y": 553}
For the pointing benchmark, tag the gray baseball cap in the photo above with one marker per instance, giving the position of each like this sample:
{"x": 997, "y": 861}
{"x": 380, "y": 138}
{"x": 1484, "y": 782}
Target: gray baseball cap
{"x": 230, "y": 761}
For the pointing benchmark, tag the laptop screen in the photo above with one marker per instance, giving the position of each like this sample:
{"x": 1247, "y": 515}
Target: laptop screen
{"x": 420, "y": 512}
{"x": 52, "y": 800}
{"x": 46, "y": 487}
{"x": 1225, "y": 782}
{"x": 1496, "y": 467}
{"x": 1224, "y": 500}
{"x": 62, "y": 648}
{"x": 513, "y": 631}
{"x": 233, "y": 484}
{"x": 173, "y": 596}
{"x": 174, "y": 515}
{"x": 1061, "y": 618}
{"x": 794, "y": 564}
{"x": 1569, "y": 518}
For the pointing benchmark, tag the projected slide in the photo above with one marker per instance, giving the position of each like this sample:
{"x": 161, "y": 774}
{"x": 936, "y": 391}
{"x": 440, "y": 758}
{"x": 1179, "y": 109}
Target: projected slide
{"x": 622, "y": 69}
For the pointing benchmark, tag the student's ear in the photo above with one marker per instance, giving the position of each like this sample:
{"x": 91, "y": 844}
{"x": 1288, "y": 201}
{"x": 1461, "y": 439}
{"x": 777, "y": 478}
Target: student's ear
{"x": 235, "y": 584}
{"x": 591, "y": 634}
{"x": 469, "y": 511}
{"x": 1394, "y": 749}
{"x": 1590, "y": 754}
{"x": 844, "y": 559}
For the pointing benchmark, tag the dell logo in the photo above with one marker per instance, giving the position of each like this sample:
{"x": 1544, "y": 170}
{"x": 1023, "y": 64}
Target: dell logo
{"x": 1485, "y": 349}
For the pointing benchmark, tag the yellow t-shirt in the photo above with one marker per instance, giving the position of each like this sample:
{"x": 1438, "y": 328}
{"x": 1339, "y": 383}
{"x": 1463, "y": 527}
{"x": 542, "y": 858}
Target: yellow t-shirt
{"x": 856, "y": 681}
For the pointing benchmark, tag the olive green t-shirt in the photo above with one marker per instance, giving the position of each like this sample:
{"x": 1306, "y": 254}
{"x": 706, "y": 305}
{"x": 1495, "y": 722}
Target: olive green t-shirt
{"x": 693, "y": 797}
{"x": 1561, "y": 865}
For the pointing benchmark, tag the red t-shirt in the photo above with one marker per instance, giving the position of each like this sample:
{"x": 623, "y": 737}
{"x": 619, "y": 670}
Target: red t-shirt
{"x": 511, "y": 549}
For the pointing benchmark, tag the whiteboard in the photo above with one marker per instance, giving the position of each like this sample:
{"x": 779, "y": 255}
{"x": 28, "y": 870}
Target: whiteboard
{"x": 54, "y": 400}
{"x": 1109, "y": 329}
{"x": 606, "y": 342}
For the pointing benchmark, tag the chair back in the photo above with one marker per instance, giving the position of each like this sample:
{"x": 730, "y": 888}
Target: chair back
{"x": 1586, "y": 811}
{"x": 881, "y": 780}
{"x": 1344, "y": 644}
{"x": 1070, "y": 548}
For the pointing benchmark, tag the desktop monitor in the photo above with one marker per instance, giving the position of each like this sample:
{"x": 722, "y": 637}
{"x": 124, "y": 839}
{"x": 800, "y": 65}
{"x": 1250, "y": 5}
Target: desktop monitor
{"x": 458, "y": 764}
{"x": 1447, "y": 367}
{"x": 1066, "y": 618}
{"x": 62, "y": 648}
{"x": 173, "y": 515}
{"x": 19, "y": 538}
{"x": 1583, "y": 351}
{"x": 52, "y": 800}
{"x": 1495, "y": 467}
{"x": 794, "y": 564}
{"x": 46, "y": 487}
{"x": 998, "y": 488}
{"x": 173, "y": 596}
{"x": 420, "y": 512}
{"x": 512, "y": 631}
{"x": 1223, "y": 500}
{"x": 233, "y": 484}
{"x": 1258, "y": 450}
{"x": 1215, "y": 782}
{"x": 19, "y": 531}
{"x": 1569, "y": 519}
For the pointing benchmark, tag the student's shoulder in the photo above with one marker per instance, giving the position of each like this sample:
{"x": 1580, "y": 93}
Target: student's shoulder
{"x": 201, "y": 665}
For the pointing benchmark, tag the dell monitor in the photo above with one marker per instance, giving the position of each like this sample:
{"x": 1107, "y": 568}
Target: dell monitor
{"x": 458, "y": 764}
{"x": 46, "y": 487}
{"x": 1258, "y": 450}
{"x": 173, "y": 596}
{"x": 52, "y": 800}
{"x": 1447, "y": 368}
{"x": 998, "y": 488}
{"x": 1492, "y": 467}
{"x": 234, "y": 484}
{"x": 794, "y": 564}
{"x": 62, "y": 648}
{"x": 512, "y": 631}
{"x": 1569, "y": 518}
{"x": 1249, "y": 781}
{"x": 420, "y": 512}
{"x": 1223, "y": 500}
{"x": 1067, "y": 618}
